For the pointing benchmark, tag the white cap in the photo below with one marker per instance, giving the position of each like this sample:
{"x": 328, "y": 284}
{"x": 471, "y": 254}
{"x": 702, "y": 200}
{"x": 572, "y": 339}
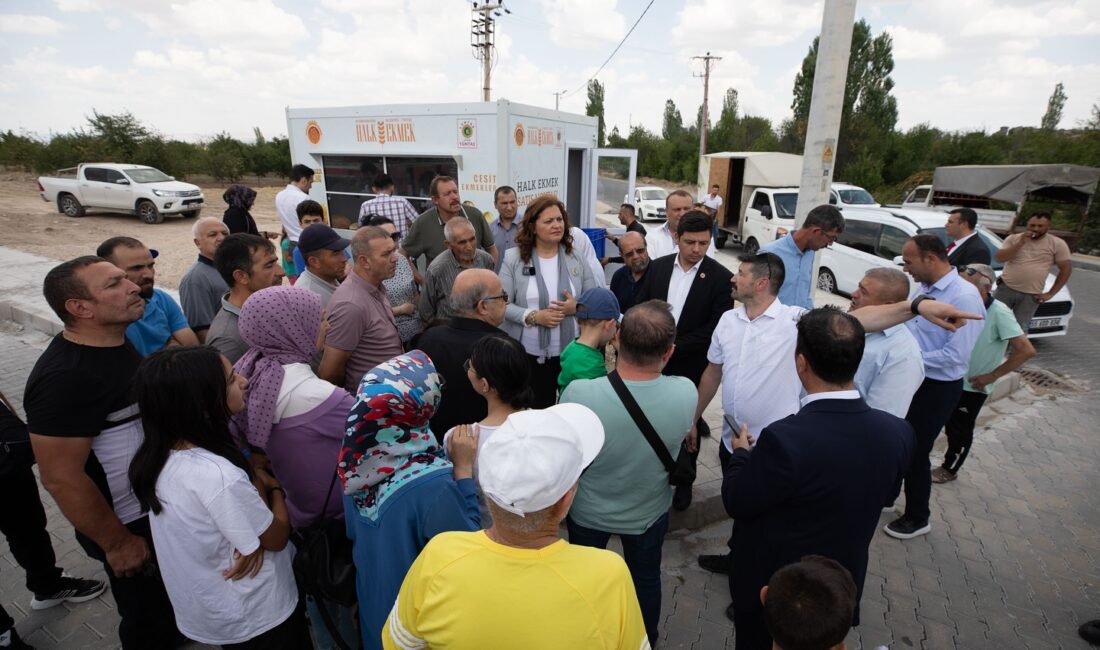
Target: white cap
{"x": 536, "y": 456}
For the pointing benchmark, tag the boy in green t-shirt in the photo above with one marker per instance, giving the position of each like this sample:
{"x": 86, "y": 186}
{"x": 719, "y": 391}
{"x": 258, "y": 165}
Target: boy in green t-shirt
{"x": 598, "y": 316}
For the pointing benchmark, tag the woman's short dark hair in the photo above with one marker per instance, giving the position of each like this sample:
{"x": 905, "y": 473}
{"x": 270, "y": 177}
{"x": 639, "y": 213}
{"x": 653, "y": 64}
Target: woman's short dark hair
{"x": 502, "y": 361}
{"x": 525, "y": 238}
{"x": 182, "y": 394}
{"x": 832, "y": 342}
{"x": 810, "y": 604}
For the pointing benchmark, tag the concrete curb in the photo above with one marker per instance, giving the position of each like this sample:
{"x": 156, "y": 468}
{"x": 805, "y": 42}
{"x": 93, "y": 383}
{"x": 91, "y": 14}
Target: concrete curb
{"x": 1086, "y": 262}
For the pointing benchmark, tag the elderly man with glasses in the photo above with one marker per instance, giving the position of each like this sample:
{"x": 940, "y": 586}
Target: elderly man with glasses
{"x": 1001, "y": 333}
{"x": 478, "y": 301}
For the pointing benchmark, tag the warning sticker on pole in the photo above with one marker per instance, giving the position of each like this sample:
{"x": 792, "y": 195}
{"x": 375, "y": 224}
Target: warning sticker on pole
{"x": 827, "y": 152}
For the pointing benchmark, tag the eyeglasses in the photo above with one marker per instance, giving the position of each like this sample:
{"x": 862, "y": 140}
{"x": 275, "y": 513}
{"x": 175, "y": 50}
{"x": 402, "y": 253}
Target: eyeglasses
{"x": 466, "y": 365}
{"x": 973, "y": 271}
{"x": 503, "y": 296}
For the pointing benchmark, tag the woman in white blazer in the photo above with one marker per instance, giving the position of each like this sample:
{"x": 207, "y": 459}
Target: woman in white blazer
{"x": 542, "y": 276}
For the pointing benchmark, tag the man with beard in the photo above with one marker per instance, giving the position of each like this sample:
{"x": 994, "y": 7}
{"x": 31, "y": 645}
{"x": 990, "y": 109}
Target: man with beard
{"x": 1027, "y": 257}
{"x": 628, "y": 280}
{"x": 163, "y": 323}
{"x": 425, "y": 236}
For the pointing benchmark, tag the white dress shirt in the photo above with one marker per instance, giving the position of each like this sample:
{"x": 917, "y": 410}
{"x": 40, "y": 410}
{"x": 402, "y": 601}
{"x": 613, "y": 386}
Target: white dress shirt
{"x": 286, "y": 203}
{"x": 679, "y": 286}
{"x": 891, "y": 370}
{"x": 759, "y": 381}
{"x": 658, "y": 243}
{"x": 830, "y": 394}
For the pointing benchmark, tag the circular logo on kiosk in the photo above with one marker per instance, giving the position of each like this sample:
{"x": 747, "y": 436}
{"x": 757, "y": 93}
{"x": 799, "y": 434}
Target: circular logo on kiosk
{"x": 519, "y": 135}
{"x": 313, "y": 132}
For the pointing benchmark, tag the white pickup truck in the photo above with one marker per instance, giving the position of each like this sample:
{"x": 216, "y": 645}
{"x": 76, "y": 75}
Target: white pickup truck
{"x": 134, "y": 189}
{"x": 926, "y": 197}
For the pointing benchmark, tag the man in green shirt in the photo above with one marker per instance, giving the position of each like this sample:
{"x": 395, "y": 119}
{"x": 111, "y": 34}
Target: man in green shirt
{"x": 425, "y": 236}
{"x": 1000, "y": 332}
{"x": 625, "y": 491}
{"x": 598, "y": 317}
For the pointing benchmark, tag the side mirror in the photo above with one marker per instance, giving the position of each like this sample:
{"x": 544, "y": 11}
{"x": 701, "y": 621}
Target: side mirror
{"x": 899, "y": 261}
{"x": 122, "y": 181}
{"x": 766, "y": 212}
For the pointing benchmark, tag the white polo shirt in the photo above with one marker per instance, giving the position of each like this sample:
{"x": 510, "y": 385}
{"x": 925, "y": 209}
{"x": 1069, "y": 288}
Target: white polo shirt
{"x": 759, "y": 381}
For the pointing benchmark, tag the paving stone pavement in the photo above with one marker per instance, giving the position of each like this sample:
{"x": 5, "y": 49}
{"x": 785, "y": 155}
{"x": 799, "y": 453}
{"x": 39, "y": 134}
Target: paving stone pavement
{"x": 1013, "y": 559}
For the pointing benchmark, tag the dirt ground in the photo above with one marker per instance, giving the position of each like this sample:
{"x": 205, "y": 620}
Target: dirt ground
{"x": 29, "y": 224}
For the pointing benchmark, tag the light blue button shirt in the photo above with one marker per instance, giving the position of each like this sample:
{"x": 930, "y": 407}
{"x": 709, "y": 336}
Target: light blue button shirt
{"x": 947, "y": 354}
{"x": 798, "y": 267}
{"x": 891, "y": 370}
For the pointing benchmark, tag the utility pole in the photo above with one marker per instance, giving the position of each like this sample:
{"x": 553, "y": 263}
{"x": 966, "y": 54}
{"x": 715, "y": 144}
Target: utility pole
{"x": 706, "y": 93}
{"x": 557, "y": 98}
{"x": 482, "y": 38}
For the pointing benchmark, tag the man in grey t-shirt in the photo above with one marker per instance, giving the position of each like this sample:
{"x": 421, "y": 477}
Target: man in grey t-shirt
{"x": 323, "y": 251}
{"x": 202, "y": 287}
{"x": 247, "y": 263}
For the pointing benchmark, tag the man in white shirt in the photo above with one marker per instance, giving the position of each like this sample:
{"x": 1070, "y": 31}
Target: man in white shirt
{"x": 713, "y": 201}
{"x": 286, "y": 202}
{"x": 662, "y": 241}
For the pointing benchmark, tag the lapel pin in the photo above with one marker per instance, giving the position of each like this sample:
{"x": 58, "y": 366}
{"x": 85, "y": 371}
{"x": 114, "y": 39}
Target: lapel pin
{"x": 702, "y": 276}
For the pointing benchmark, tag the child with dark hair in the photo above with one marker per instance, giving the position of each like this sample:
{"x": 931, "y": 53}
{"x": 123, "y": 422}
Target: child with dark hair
{"x": 220, "y": 546}
{"x": 809, "y": 605}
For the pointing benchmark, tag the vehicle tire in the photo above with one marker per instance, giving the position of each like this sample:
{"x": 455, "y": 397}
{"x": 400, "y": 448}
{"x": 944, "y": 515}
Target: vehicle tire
{"x": 191, "y": 214}
{"x": 149, "y": 213}
{"x": 720, "y": 243}
{"x": 751, "y": 247}
{"x": 68, "y": 205}
{"x": 826, "y": 281}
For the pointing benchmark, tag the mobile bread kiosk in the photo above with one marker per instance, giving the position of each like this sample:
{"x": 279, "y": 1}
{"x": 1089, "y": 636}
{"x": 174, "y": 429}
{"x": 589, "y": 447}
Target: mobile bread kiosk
{"x": 483, "y": 145}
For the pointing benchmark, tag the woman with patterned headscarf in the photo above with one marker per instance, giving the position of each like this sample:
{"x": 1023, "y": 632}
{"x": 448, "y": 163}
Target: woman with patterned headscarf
{"x": 238, "y": 216}
{"x": 400, "y": 488}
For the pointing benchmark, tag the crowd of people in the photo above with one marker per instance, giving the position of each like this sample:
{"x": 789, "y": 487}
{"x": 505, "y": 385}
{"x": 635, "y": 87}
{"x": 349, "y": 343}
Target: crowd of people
{"x": 455, "y": 392}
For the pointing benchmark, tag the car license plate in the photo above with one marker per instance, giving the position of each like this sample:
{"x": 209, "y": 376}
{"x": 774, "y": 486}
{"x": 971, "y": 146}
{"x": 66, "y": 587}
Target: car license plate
{"x": 1042, "y": 322}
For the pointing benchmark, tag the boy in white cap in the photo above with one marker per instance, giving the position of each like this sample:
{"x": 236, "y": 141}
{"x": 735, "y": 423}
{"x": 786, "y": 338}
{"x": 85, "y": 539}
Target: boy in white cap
{"x": 518, "y": 584}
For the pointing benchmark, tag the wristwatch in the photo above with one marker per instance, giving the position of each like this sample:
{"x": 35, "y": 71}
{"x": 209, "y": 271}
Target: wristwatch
{"x": 913, "y": 306}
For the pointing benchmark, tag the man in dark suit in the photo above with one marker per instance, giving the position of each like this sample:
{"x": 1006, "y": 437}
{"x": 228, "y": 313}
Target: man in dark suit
{"x": 816, "y": 481}
{"x": 697, "y": 287}
{"x": 967, "y": 247}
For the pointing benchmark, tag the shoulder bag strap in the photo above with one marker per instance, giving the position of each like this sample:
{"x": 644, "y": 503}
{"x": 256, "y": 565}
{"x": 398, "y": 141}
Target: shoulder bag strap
{"x": 640, "y": 419}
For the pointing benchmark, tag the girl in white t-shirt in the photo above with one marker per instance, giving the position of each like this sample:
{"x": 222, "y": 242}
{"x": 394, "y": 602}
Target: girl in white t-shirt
{"x": 221, "y": 548}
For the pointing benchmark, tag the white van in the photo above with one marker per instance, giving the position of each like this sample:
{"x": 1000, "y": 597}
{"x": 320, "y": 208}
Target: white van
{"x": 874, "y": 237}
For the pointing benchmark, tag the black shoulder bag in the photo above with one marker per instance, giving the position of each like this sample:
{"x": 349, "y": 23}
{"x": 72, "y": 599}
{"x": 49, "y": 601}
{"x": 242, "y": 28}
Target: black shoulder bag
{"x": 681, "y": 472}
{"x": 324, "y": 567}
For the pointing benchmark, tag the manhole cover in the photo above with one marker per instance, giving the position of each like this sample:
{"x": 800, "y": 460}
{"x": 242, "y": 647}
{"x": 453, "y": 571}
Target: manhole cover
{"x": 1048, "y": 381}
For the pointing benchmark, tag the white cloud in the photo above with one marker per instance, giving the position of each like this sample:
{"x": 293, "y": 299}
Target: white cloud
{"x": 915, "y": 45}
{"x": 583, "y": 23}
{"x": 69, "y": 6}
{"x": 1017, "y": 45}
{"x": 754, "y": 24}
{"x": 256, "y": 22}
{"x": 25, "y": 24}
{"x": 147, "y": 59}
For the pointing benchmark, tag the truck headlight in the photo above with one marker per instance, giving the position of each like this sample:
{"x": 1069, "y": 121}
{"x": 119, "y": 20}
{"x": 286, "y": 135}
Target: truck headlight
{"x": 168, "y": 193}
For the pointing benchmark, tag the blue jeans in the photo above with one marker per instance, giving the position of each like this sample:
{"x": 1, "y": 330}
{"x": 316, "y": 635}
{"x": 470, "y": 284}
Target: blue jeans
{"x": 643, "y": 557}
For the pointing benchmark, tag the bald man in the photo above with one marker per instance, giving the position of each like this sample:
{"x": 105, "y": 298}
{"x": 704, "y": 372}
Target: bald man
{"x": 478, "y": 302}
{"x": 202, "y": 287}
{"x": 627, "y": 280}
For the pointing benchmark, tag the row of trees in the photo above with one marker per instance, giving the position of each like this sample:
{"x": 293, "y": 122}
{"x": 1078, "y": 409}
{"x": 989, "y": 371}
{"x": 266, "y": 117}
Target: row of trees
{"x": 871, "y": 151}
{"x": 123, "y": 138}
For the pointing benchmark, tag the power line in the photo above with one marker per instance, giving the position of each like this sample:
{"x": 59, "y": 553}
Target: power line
{"x": 631, "y": 31}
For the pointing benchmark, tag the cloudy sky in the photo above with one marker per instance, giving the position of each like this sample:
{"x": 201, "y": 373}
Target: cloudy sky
{"x": 193, "y": 68}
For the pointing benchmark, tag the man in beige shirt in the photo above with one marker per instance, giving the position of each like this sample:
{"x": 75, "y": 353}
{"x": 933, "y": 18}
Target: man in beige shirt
{"x": 1027, "y": 257}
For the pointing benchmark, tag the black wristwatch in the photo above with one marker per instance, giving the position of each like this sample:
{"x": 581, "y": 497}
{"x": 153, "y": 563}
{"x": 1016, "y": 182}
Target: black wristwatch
{"x": 913, "y": 306}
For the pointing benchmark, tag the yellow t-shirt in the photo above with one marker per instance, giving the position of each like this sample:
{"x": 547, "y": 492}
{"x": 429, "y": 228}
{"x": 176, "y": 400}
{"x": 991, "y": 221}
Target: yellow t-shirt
{"x": 467, "y": 591}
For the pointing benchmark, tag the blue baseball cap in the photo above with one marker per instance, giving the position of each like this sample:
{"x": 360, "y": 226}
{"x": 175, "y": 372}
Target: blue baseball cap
{"x": 598, "y": 303}
{"x": 318, "y": 235}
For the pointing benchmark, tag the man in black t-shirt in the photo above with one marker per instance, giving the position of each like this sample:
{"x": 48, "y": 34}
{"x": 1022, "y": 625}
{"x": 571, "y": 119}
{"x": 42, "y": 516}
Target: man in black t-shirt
{"x": 85, "y": 428}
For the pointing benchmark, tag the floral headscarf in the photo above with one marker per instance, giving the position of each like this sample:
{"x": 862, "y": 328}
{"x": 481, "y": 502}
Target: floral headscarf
{"x": 388, "y": 443}
{"x": 280, "y": 325}
{"x": 239, "y": 196}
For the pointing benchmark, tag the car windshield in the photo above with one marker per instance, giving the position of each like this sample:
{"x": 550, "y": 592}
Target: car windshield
{"x": 858, "y": 196}
{"x": 785, "y": 204}
{"x": 147, "y": 175}
{"x": 656, "y": 194}
{"x": 991, "y": 241}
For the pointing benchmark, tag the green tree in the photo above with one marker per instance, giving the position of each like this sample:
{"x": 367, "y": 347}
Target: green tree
{"x": 120, "y": 135}
{"x": 672, "y": 124}
{"x": 1055, "y": 104}
{"x": 226, "y": 158}
{"x": 594, "y": 107}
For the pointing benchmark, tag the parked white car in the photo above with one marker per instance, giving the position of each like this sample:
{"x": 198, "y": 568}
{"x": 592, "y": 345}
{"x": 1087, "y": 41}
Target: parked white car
{"x": 846, "y": 195}
{"x": 134, "y": 189}
{"x": 649, "y": 202}
{"x": 874, "y": 237}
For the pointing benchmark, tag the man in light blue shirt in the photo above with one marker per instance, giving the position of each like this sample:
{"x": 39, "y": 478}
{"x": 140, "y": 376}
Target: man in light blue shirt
{"x": 822, "y": 226}
{"x": 504, "y": 227}
{"x": 946, "y": 357}
{"x": 892, "y": 368}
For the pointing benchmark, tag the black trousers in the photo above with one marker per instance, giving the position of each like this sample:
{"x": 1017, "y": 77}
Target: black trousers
{"x": 960, "y": 429}
{"x": 147, "y": 617}
{"x": 750, "y": 631}
{"x": 291, "y": 634}
{"x": 930, "y": 409}
{"x": 544, "y": 380}
{"x": 23, "y": 522}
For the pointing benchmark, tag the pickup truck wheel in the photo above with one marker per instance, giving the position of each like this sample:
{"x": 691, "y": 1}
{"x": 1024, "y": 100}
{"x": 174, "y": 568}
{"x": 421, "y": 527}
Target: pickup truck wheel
{"x": 826, "y": 281}
{"x": 721, "y": 242}
{"x": 68, "y": 205}
{"x": 751, "y": 247}
{"x": 149, "y": 213}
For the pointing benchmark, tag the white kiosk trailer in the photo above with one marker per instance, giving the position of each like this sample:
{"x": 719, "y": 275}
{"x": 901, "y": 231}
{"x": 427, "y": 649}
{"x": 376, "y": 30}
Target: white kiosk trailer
{"x": 483, "y": 145}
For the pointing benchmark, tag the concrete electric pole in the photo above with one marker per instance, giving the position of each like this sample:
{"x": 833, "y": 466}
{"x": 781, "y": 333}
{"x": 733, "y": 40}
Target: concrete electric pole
{"x": 557, "y": 98}
{"x": 482, "y": 38}
{"x": 826, "y": 106}
{"x": 706, "y": 93}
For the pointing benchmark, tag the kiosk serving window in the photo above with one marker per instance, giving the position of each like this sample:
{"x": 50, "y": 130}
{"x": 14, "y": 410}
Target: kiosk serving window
{"x": 348, "y": 180}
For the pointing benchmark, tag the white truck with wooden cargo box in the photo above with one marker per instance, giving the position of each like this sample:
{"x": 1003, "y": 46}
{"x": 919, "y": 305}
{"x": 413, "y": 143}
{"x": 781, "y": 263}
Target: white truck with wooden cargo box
{"x": 483, "y": 145}
{"x": 754, "y": 211}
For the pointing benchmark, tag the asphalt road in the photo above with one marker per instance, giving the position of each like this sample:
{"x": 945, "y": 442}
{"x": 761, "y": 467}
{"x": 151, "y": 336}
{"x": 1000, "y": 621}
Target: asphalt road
{"x": 1077, "y": 354}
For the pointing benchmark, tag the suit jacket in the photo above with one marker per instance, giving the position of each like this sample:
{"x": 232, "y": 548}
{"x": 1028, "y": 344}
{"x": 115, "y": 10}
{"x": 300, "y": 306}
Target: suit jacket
{"x": 971, "y": 251}
{"x": 813, "y": 485}
{"x": 708, "y": 298}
